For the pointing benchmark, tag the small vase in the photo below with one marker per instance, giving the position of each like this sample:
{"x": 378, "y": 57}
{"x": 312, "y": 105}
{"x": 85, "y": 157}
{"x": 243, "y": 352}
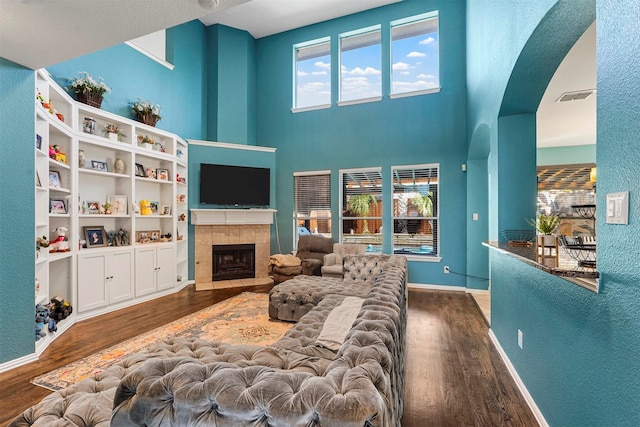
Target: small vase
{"x": 113, "y": 136}
{"x": 118, "y": 166}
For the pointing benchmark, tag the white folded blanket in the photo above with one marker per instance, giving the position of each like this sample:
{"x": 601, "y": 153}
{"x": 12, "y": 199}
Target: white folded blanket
{"x": 284, "y": 260}
{"x": 338, "y": 323}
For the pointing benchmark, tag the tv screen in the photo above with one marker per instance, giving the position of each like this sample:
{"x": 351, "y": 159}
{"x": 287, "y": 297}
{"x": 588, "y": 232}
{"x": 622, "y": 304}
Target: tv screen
{"x": 234, "y": 185}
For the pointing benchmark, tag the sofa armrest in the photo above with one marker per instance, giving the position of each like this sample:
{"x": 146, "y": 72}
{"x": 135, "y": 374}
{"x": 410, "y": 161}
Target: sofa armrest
{"x": 311, "y": 267}
{"x": 332, "y": 259}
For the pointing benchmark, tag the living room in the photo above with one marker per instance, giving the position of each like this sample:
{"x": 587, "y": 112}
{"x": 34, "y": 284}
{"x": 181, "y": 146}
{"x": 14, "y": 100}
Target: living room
{"x": 491, "y": 79}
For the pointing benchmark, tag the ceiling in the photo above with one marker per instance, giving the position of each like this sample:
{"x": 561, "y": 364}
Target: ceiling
{"x": 573, "y": 122}
{"x": 39, "y": 33}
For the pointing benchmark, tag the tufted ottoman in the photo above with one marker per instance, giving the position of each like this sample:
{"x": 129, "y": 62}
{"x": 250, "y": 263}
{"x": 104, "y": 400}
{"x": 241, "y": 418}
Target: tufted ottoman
{"x": 294, "y": 298}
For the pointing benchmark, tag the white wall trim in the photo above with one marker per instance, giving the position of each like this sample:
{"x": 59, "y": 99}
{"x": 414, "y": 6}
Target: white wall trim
{"x": 436, "y": 287}
{"x": 478, "y": 291}
{"x": 514, "y": 374}
{"x": 231, "y": 146}
{"x": 14, "y": 363}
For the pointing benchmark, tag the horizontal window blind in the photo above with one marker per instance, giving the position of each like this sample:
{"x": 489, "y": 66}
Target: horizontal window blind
{"x": 312, "y": 193}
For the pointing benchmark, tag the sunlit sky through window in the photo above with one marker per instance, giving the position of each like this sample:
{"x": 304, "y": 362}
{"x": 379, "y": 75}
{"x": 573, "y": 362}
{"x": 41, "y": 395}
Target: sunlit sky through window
{"x": 414, "y": 68}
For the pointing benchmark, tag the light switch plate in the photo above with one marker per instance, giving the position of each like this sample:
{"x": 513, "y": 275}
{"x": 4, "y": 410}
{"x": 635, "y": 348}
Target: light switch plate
{"x": 617, "y": 208}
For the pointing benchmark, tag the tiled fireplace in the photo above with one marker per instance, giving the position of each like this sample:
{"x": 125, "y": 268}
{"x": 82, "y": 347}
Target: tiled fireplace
{"x": 231, "y": 227}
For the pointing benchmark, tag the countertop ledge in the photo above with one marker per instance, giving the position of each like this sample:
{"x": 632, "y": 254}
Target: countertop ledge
{"x": 585, "y": 277}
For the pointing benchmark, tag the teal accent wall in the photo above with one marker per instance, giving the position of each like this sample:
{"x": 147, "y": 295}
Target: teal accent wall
{"x": 17, "y": 211}
{"x": 232, "y": 85}
{"x": 566, "y": 155}
{"x": 130, "y": 74}
{"x": 589, "y": 341}
{"x": 407, "y": 131}
{"x": 223, "y": 156}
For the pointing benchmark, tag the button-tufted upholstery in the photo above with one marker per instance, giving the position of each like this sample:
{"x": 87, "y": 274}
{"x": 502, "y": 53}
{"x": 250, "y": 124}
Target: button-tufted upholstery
{"x": 188, "y": 382}
{"x": 332, "y": 265}
{"x": 311, "y": 251}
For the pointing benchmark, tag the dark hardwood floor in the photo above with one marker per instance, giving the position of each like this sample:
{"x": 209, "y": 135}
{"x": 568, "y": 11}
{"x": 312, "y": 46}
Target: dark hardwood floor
{"x": 453, "y": 374}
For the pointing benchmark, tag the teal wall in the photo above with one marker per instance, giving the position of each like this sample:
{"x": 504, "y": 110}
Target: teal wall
{"x": 421, "y": 129}
{"x": 130, "y": 74}
{"x": 566, "y": 155}
{"x": 17, "y": 211}
{"x": 591, "y": 342}
{"x": 232, "y": 85}
{"x": 226, "y": 156}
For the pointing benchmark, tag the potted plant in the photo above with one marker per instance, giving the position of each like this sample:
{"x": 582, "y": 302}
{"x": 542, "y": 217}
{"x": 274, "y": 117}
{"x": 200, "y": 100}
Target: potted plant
{"x": 88, "y": 90}
{"x": 423, "y": 203}
{"x": 146, "y": 112}
{"x": 545, "y": 224}
{"x": 359, "y": 204}
{"x": 146, "y": 141}
{"x": 113, "y": 131}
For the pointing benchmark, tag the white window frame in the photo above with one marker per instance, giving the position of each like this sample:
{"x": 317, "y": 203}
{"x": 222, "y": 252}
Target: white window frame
{"x": 406, "y": 22}
{"x": 297, "y": 216}
{"x": 366, "y": 35}
{"x": 434, "y": 218}
{"x": 320, "y": 45}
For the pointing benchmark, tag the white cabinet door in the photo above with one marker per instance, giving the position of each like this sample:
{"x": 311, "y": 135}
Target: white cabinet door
{"x": 120, "y": 281}
{"x": 145, "y": 270}
{"x": 92, "y": 279}
{"x": 165, "y": 265}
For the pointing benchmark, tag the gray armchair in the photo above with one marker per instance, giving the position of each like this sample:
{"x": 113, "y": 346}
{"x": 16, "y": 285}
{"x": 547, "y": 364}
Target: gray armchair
{"x": 311, "y": 251}
{"x": 332, "y": 266}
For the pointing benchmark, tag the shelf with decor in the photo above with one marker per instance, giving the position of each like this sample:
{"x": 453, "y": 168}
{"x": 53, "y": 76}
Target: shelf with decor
{"x": 87, "y": 187}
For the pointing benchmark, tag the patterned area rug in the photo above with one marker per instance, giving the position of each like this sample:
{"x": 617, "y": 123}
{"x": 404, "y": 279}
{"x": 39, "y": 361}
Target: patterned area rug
{"x": 243, "y": 319}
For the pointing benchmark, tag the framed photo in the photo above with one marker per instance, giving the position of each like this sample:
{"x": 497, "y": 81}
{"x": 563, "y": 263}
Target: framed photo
{"x": 54, "y": 179}
{"x": 154, "y": 207}
{"x": 38, "y": 142}
{"x": 147, "y": 236}
{"x": 162, "y": 174}
{"x": 38, "y": 183}
{"x": 57, "y": 206}
{"x": 101, "y": 166}
{"x": 95, "y": 236}
{"x": 119, "y": 204}
{"x": 166, "y": 210}
{"x": 93, "y": 207}
{"x": 139, "y": 170}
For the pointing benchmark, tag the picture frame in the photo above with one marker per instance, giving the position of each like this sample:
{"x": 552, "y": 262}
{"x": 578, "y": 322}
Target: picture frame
{"x": 54, "y": 179}
{"x": 38, "y": 142}
{"x": 147, "y": 236}
{"x": 93, "y": 207}
{"x": 119, "y": 204}
{"x": 38, "y": 183}
{"x": 166, "y": 210}
{"x": 57, "y": 206}
{"x": 140, "y": 170}
{"x": 95, "y": 235}
{"x": 154, "y": 207}
{"x": 98, "y": 165}
{"x": 162, "y": 174}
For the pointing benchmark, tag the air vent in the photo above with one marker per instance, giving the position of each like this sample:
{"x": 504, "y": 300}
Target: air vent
{"x": 576, "y": 96}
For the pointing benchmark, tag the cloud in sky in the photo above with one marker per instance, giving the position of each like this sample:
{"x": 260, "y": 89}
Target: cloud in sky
{"x": 319, "y": 73}
{"x": 398, "y": 66}
{"x": 416, "y": 54}
{"x": 368, "y": 71}
{"x": 323, "y": 65}
{"x": 428, "y": 40}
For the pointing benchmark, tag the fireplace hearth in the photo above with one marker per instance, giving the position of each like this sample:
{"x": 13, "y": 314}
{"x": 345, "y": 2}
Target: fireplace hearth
{"x": 231, "y": 262}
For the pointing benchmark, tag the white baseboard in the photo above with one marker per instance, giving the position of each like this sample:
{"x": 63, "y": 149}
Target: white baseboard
{"x": 11, "y": 364}
{"x": 478, "y": 291}
{"x": 436, "y": 287}
{"x": 514, "y": 374}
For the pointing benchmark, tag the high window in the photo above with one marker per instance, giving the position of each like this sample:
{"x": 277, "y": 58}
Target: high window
{"x": 360, "y": 65}
{"x": 361, "y": 207}
{"x": 312, "y": 204}
{"x": 415, "y": 55}
{"x": 312, "y": 74}
{"x": 416, "y": 210}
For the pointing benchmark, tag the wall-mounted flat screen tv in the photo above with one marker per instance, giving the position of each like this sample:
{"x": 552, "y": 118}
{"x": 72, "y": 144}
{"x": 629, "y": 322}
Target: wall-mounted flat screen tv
{"x": 237, "y": 186}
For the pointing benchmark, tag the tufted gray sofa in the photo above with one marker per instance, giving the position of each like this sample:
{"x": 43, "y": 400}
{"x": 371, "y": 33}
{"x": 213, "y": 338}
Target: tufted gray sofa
{"x": 294, "y": 298}
{"x": 188, "y": 382}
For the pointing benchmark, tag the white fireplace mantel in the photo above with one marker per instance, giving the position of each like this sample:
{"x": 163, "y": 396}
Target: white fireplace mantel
{"x": 232, "y": 216}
